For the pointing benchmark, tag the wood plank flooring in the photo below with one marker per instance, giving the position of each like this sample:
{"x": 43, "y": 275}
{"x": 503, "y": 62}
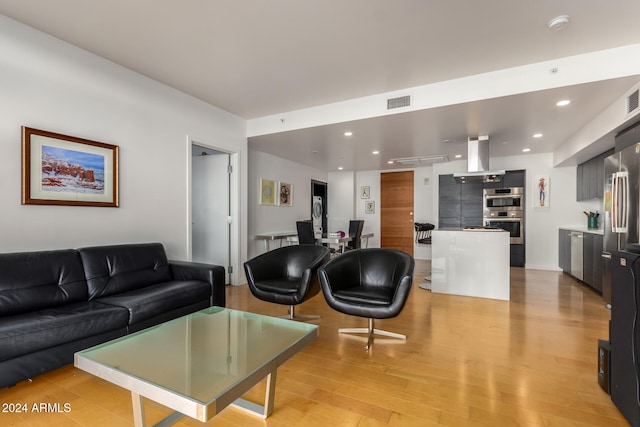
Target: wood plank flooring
{"x": 466, "y": 362}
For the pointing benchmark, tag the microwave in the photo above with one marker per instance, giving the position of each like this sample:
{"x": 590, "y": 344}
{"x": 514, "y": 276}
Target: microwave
{"x": 503, "y": 199}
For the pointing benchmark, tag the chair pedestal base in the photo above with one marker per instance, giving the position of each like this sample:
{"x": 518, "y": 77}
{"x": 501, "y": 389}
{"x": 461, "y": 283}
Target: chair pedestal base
{"x": 371, "y": 331}
{"x": 293, "y": 316}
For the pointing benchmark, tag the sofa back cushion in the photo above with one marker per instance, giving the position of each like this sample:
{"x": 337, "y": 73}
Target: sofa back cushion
{"x": 31, "y": 281}
{"x": 116, "y": 269}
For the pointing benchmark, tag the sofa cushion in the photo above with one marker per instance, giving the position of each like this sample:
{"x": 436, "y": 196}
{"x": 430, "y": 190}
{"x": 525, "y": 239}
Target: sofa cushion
{"x": 26, "y": 333}
{"x": 34, "y": 280}
{"x": 119, "y": 269}
{"x": 157, "y": 299}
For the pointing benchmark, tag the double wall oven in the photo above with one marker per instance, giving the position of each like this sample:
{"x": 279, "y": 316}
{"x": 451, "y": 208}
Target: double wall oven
{"x": 504, "y": 208}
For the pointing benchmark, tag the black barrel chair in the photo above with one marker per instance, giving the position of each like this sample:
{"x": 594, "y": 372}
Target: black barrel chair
{"x": 372, "y": 283}
{"x": 287, "y": 275}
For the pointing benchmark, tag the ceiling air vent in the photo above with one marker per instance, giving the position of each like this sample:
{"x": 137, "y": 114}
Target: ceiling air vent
{"x": 632, "y": 102}
{"x": 399, "y": 102}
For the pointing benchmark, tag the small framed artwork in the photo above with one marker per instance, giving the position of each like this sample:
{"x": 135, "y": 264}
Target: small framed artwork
{"x": 64, "y": 170}
{"x": 268, "y": 192}
{"x": 541, "y": 192}
{"x": 285, "y": 194}
{"x": 365, "y": 192}
{"x": 370, "y": 207}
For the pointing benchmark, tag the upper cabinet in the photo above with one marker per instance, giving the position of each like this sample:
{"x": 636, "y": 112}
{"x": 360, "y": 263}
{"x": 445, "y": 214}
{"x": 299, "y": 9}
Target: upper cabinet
{"x": 590, "y": 178}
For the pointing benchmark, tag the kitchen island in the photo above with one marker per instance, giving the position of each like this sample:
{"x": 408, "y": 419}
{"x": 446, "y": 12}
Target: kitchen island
{"x": 471, "y": 262}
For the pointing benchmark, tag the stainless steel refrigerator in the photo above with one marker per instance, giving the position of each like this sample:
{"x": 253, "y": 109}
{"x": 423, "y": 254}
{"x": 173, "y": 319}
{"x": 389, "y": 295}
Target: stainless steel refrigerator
{"x": 620, "y": 210}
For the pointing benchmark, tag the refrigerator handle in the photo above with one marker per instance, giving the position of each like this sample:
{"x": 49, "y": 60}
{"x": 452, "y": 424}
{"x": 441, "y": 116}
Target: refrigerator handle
{"x": 620, "y": 201}
{"x": 606, "y": 255}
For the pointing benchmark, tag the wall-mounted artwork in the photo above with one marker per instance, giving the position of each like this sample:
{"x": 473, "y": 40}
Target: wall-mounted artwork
{"x": 370, "y": 207}
{"x": 541, "y": 191}
{"x": 285, "y": 194}
{"x": 65, "y": 170}
{"x": 268, "y": 192}
{"x": 365, "y": 192}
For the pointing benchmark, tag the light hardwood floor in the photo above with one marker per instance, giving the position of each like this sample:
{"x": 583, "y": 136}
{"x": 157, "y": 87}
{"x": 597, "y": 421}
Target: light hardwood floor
{"x": 467, "y": 362}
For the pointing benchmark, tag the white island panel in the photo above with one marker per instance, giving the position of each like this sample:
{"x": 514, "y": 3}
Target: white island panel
{"x": 470, "y": 263}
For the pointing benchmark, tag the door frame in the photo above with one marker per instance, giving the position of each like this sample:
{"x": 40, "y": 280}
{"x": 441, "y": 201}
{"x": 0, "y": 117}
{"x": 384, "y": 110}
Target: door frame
{"x": 234, "y": 206}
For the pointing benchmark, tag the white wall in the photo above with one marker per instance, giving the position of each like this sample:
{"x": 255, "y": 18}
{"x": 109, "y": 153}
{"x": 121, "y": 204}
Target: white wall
{"x": 268, "y": 219}
{"x": 50, "y": 85}
{"x": 341, "y": 191}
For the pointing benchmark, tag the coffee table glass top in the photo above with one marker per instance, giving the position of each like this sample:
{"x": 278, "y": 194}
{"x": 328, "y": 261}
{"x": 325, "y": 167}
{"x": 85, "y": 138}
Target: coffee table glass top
{"x": 203, "y": 357}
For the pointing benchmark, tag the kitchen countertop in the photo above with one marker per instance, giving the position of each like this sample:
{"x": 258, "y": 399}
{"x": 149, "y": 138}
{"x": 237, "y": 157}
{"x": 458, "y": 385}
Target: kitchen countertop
{"x": 583, "y": 229}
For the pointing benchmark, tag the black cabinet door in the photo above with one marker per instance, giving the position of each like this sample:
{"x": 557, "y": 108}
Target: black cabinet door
{"x": 449, "y": 202}
{"x": 579, "y": 187}
{"x": 598, "y": 262}
{"x": 564, "y": 250}
{"x": 587, "y": 258}
{"x": 514, "y": 179}
{"x": 471, "y": 202}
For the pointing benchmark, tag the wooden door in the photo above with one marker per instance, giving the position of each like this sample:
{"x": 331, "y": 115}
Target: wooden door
{"x": 396, "y": 211}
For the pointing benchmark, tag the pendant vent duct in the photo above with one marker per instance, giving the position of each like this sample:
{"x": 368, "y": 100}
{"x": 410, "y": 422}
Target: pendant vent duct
{"x": 632, "y": 102}
{"x": 399, "y": 102}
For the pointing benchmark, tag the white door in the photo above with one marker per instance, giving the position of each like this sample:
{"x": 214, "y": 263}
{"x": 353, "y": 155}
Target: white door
{"x": 210, "y": 234}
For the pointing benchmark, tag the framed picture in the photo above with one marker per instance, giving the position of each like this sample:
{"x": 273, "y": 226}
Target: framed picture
{"x": 65, "y": 170}
{"x": 541, "y": 191}
{"x": 268, "y": 192}
{"x": 370, "y": 207}
{"x": 286, "y": 194}
{"x": 365, "y": 192}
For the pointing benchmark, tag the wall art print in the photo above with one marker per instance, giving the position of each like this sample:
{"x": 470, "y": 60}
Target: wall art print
{"x": 268, "y": 192}
{"x": 541, "y": 191}
{"x": 285, "y": 194}
{"x": 65, "y": 170}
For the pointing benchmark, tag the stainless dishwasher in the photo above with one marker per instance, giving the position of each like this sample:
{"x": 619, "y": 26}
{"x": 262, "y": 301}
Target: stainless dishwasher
{"x": 576, "y": 255}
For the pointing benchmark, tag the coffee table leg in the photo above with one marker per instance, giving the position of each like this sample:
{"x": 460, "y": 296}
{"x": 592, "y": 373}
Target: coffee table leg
{"x": 138, "y": 410}
{"x": 270, "y": 394}
{"x": 254, "y": 408}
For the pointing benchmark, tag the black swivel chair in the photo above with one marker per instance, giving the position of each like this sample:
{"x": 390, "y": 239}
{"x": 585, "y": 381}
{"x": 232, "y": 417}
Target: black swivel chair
{"x": 287, "y": 275}
{"x": 372, "y": 283}
{"x": 355, "y": 229}
{"x": 305, "y": 233}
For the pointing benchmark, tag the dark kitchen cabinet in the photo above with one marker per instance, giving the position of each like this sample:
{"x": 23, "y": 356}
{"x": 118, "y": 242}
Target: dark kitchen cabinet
{"x": 592, "y": 263}
{"x": 471, "y": 201}
{"x": 590, "y": 178}
{"x": 513, "y": 179}
{"x": 564, "y": 250}
{"x": 628, "y": 137}
{"x": 449, "y": 202}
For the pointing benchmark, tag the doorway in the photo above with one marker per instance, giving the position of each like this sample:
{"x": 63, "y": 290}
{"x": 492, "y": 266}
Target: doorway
{"x": 396, "y": 211}
{"x": 211, "y": 213}
{"x": 319, "y": 189}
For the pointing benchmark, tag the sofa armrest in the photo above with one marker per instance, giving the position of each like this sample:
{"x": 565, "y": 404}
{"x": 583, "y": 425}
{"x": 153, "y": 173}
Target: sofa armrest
{"x": 213, "y": 274}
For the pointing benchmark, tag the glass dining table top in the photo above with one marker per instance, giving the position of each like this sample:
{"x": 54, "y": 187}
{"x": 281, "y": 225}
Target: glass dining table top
{"x": 203, "y": 358}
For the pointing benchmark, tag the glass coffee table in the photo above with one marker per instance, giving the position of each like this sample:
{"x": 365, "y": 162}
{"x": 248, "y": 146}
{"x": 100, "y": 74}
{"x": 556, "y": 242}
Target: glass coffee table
{"x": 201, "y": 363}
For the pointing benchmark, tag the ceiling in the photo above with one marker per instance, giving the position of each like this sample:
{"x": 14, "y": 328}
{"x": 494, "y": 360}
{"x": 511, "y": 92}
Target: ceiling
{"x": 257, "y": 58}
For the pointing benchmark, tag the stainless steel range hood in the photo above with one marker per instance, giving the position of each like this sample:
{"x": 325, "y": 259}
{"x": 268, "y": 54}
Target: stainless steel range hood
{"x": 478, "y": 163}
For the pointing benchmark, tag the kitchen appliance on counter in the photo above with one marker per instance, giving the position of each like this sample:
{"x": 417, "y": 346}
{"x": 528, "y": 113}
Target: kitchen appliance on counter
{"x": 621, "y": 199}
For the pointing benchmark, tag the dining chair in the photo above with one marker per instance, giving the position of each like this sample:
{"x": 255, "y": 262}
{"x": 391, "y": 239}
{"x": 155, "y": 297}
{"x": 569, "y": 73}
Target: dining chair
{"x": 305, "y": 233}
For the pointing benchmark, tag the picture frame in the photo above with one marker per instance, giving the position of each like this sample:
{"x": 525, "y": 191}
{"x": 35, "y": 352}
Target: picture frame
{"x": 268, "y": 192}
{"x": 365, "y": 192}
{"x": 369, "y": 207}
{"x": 541, "y": 191}
{"x": 285, "y": 194}
{"x": 66, "y": 170}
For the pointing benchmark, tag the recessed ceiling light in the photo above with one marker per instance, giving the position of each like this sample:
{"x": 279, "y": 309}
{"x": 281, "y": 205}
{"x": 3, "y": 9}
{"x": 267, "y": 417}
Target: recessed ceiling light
{"x": 563, "y": 103}
{"x": 348, "y": 133}
{"x": 340, "y": 168}
{"x": 390, "y": 162}
{"x": 375, "y": 152}
{"x": 526, "y": 150}
{"x": 537, "y": 135}
{"x": 559, "y": 22}
{"x": 457, "y": 156}
{"x": 315, "y": 152}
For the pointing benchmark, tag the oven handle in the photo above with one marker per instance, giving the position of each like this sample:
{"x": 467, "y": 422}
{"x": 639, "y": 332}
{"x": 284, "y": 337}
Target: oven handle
{"x": 505, "y": 219}
{"x": 505, "y": 196}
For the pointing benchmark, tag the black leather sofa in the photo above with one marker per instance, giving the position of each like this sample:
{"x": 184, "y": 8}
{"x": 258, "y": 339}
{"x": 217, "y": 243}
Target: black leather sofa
{"x": 54, "y": 303}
